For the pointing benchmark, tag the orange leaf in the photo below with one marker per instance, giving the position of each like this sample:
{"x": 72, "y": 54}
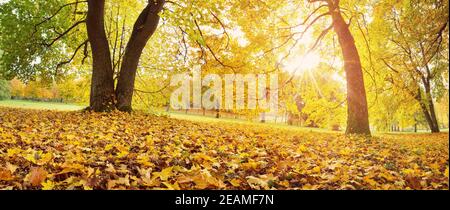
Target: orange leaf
{"x": 36, "y": 176}
{"x": 5, "y": 175}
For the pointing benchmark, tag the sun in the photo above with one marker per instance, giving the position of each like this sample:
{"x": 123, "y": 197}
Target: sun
{"x": 302, "y": 63}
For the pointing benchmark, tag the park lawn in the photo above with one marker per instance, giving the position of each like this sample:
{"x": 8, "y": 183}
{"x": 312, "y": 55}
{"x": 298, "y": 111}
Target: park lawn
{"x": 210, "y": 119}
{"x": 43, "y": 149}
{"x": 24, "y": 104}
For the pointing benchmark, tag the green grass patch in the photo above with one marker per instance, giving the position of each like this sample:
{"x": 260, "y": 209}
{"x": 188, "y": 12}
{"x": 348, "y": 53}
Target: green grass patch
{"x": 23, "y": 104}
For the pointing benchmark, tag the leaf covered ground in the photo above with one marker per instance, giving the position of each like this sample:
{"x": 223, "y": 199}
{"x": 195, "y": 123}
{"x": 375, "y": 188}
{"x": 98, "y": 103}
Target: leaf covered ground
{"x": 82, "y": 150}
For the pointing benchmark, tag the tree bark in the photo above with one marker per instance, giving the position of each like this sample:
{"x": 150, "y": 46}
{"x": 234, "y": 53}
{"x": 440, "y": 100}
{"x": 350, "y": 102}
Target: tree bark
{"x": 358, "y": 117}
{"x": 432, "y": 122}
{"x": 427, "y": 115}
{"x": 434, "y": 126}
{"x": 143, "y": 29}
{"x": 102, "y": 97}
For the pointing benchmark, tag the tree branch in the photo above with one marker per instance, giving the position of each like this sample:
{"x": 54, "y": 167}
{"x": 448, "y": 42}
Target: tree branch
{"x": 64, "y": 33}
{"x": 56, "y": 13}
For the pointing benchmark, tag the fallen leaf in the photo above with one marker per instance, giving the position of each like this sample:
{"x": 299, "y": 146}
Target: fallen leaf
{"x": 36, "y": 176}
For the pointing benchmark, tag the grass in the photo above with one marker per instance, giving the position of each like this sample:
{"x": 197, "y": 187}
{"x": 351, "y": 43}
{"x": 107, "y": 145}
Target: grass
{"x": 209, "y": 119}
{"x": 40, "y": 105}
{"x": 179, "y": 115}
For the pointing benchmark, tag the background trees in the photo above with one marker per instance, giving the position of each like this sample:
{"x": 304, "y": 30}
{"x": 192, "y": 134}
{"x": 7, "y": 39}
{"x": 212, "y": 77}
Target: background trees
{"x": 415, "y": 51}
{"x": 26, "y": 48}
{"x": 4, "y": 90}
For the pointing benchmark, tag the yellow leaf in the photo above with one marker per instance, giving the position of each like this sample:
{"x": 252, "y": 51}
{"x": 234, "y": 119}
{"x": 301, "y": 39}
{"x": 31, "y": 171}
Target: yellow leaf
{"x": 122, "y": 154}
{"x": 408, "y": 171}
{"x": 70, "y": 137}
{"x": 235, "y": 182}
{"x": 370, "y": 181}
{"x": 302, "y": 148}
{"x": 13, "y": 151}
{"x": 38, "y": 157}
{"x": 45, "y": 158}
{"x": 345, "y": 151}
{"x": 435, "y": 166}
{"x": 316, "y": 169}
{"x": 172, "y": 186}
{"x": 164, "y": 174}
{"x": 149, "y": 140}
{"x": 12, "y": 168}
{"x": 87, "y": 187}
{"x": 200, "y": 182}
{"x": 387, "y": 176}
{"x": 121, "y": 181}
{"x": 257, "y": 183}
{"x": 48, "y": 185}
{"x": 109, "y": 147}
{"x": 184, "y": 179}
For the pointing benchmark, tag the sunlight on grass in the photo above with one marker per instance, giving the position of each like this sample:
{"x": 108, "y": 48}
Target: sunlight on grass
{"x": 208, "y": 119}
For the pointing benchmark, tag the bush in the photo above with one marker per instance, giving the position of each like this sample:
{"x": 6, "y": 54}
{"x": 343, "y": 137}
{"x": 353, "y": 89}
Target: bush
{"x": 4, "y": 90}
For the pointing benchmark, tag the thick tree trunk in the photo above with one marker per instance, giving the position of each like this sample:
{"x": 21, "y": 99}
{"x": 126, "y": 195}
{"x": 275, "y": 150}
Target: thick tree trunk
{"x": 102, "y": 96}
{"x": 143, "y": 29}
{"x": 434, "y": 125}
{"x": 432, "y": 122}
{"x": 358, "y": 117}
{"x": 427, "y": 115}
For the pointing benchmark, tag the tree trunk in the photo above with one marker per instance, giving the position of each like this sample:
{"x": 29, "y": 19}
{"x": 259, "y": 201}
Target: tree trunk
{"x": 217, "y": 113}
{"x": 143, "y": 29}
{"x": 358, "y": 117}
{"x": 434, "y": 120}
{"x": 102, "y": 97}
{"x": 435, "y": 125}
{"x": 426, "y": 113}
{"x": 427, "y": 116}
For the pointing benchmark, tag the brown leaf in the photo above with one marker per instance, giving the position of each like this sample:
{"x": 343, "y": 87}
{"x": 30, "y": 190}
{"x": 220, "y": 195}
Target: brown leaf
{"x": 413, "y": 182}
{"x": 36, "y": 176}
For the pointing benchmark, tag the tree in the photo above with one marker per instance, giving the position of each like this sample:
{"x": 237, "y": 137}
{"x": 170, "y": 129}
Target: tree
{"x": 49, "y": 45}
{"x": 113, "y": 69}
{"x": 25, "y": 51}
{"x": 103, "y": 94}
{"x": 357, "y": 109}
{"x": 415, "y": 56}
{"x": 5, "y": 92}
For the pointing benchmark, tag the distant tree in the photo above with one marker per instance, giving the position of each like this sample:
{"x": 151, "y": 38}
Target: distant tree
{"x": 415, "y": 53}
{"x": 5, "y": 90}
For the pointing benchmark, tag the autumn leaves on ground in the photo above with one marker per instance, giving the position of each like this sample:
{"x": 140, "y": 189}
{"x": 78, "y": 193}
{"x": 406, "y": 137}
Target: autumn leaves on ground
{"x": 82, "y": 150}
